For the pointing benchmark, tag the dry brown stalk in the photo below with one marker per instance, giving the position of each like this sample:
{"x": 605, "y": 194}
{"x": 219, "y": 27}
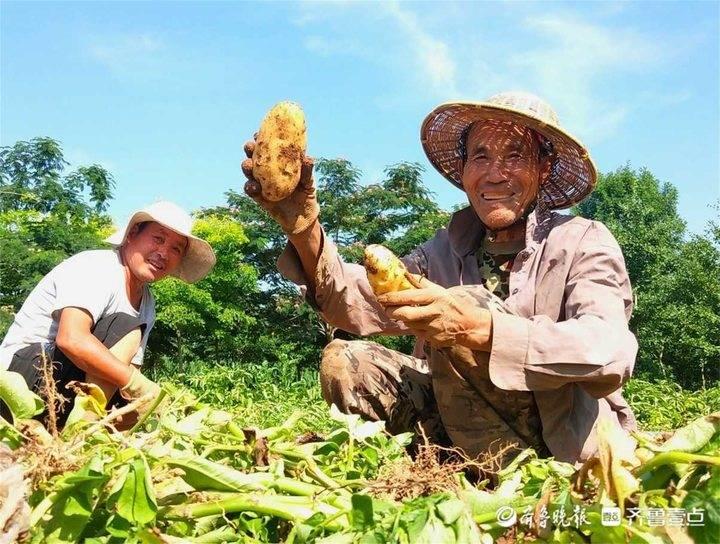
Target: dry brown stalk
{"x": 434, "y": 470}
{"x": 53, "y": 398}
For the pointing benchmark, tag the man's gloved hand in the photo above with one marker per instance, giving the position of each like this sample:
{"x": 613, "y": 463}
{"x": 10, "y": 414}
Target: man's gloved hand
{"x": 297, "y": 212}
{"x": 443, "y": 317}
{"x": 138, "y": 387}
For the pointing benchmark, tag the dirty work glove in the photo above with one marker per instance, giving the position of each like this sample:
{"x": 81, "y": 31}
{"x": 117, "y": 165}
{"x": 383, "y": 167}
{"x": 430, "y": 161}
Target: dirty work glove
{"x": 444, "y": 317}
{"x": 297, "y": 212}
{"x": 140, "y": 386}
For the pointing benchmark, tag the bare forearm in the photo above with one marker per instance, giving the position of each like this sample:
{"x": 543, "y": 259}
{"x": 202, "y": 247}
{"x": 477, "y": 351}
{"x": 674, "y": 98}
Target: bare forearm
{"x": 308, "y": 245}
{"x": 90, "y": 355}
{"x": 107, "y": 387}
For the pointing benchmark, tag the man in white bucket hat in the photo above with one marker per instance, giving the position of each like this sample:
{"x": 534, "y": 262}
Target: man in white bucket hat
{"x": 521, "y": 315}
{"x": 92, "y": 313}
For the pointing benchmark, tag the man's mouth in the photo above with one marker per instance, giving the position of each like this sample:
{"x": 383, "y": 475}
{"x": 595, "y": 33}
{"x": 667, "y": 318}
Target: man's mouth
{"x": 156, "y": 264}
{"x": 492, "y": 196}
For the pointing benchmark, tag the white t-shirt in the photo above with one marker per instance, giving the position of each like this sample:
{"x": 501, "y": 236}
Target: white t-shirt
{"x": 91, "y": 280}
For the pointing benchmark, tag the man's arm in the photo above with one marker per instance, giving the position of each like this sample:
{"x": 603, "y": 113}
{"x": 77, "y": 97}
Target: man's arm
{"x": 308, "y": 245}
{"x": 75, "y": 339}
{"x": 339, "y": 290}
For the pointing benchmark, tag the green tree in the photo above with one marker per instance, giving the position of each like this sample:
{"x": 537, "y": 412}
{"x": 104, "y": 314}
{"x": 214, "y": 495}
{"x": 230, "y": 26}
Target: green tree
{"x": 642, "y": 214}
{"x": 676, "y": 281}
{"x": 46, "y": 215}
{"x": 208, "y": 320}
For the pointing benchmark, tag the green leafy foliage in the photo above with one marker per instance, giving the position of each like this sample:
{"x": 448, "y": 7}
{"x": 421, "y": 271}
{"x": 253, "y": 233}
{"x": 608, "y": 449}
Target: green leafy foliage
{"x": 209, "y": 319}
{"x": 705, "y": 499}
{"x": 265, "y": 394}
{"x": 46, "y": 215}
{"x": 190, "y": 473}
{"x": 16, "y": 395}
{"x": 132, "y": 496}
{"x": 664, "y": 405}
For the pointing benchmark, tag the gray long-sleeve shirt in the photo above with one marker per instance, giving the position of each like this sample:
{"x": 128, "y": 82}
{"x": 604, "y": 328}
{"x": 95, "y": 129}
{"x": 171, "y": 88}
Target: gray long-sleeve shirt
{"x": 567, "y": 339}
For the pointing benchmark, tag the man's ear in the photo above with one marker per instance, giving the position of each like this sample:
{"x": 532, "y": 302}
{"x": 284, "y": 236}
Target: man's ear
{"x": 132, "y": 233}
{"x": 546, "y": 163}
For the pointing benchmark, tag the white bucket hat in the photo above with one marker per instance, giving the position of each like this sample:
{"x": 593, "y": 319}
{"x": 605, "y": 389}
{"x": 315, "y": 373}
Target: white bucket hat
{"x": 199, "y": 257}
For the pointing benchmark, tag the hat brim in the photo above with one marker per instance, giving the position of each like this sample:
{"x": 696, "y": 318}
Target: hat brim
{"x": 199, "y": 257}
{"x": 573, "y": 175}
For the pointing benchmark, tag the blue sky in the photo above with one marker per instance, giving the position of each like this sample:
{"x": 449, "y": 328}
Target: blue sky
{"x": 164, "y": 94}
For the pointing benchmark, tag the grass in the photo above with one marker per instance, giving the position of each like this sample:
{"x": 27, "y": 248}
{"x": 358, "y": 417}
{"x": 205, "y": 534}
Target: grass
{"x": 261, "y": 394}
{"x": 265, "y": 395}
{"x": 665, "y": 405}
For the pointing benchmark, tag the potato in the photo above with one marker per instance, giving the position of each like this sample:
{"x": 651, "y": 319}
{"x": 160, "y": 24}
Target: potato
{"x": 279, "y": 150}
{"x": 385, "y": 272}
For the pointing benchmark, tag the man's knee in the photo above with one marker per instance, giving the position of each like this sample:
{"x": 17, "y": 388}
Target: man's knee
{"x": 126, "y": 348}
{"x": 121, "y": 334}
{"x": 334, "y": 373}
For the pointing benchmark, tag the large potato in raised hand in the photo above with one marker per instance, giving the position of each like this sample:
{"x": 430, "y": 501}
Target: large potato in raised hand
{"x": 279, "y": 150}
{"x": 385, "y": 272}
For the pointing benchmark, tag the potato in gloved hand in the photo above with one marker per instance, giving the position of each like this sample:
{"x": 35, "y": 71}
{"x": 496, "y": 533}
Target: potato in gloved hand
{"x": 279, "y": 150}
{"x": 386, "y": 273}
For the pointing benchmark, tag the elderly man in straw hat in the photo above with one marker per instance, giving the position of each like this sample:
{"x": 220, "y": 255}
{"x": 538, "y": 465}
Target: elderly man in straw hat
{"x": 522, "y": 315}
{"x": 92, "y": 313}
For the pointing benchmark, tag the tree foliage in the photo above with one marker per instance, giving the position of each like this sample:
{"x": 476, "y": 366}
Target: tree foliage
{"x": 46, "y": 215}
{"x": 676, "y": 279}
{"x": 208, "y": 319}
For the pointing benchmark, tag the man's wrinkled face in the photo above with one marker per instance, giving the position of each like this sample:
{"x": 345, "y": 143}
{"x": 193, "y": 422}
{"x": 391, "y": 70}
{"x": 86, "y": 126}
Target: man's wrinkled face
{"x": 154, "y": 251}
{"x": 502, "y": 172}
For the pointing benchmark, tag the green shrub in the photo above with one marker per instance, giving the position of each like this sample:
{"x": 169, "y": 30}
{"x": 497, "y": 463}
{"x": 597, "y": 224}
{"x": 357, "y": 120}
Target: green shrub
{"x": 665, "y": 405}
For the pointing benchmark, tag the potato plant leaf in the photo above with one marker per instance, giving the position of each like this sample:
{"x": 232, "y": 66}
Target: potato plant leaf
{"x": 134, "y": 497}
{"x": 73, "y": 505}
{"x": 15, "y": 393}
{"x": 90, "y": 399}
{"x": 361, "y": 514}
{"x": 694, "y": 436}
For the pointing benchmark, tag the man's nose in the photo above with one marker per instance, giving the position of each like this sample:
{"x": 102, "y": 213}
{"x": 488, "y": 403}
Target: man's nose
{"x": 162, "y": 252}
{"x": 498, "y": 172}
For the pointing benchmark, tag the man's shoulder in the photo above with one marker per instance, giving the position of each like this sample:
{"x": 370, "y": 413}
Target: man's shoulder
{"x": 94, "y": 263}
{"x": 568, "y": 228}
{"x": 93, "y": 257}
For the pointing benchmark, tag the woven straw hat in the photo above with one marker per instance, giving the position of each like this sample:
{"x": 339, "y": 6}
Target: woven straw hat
{"x": 573, "y": 174}
{"x": 199, "y": 256}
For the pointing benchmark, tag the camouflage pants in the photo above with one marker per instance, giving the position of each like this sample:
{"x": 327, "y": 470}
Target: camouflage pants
{"x": 378, "y": 383}
{"x": 452, "y": 399}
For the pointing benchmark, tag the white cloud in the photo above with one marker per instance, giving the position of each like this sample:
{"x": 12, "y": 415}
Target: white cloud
{"x": 318, "y": 44}
{"x": 432, "y": 55}
{"x": 576, "y": 61}
{"x": 327, "y": 46}
{"x": 409, "y": 44}
{"x": 126, "y": 52}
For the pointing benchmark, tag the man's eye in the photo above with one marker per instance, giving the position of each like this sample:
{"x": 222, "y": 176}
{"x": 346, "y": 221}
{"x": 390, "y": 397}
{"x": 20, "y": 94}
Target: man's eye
{"x": 177, "y": 250}
{"x": 158, "y": 239}
{"x": 514, "y": 155}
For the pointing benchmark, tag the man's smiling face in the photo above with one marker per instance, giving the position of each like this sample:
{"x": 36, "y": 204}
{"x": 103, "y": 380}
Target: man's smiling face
{"x": 153, "y": 251}
{"x": 502, "y": 172}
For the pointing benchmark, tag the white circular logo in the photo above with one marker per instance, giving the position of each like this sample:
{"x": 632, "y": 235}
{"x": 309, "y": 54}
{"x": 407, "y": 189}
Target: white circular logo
{"x": 506, "y": 516}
